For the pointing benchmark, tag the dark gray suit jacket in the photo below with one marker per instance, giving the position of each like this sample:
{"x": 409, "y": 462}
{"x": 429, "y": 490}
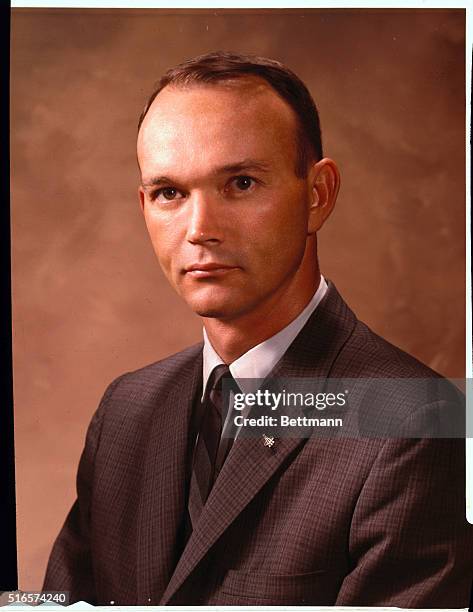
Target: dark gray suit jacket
{"x": 320, "y": 521}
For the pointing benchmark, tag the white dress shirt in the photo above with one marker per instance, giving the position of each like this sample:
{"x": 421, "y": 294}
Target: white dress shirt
{"x": 258, "y": 362}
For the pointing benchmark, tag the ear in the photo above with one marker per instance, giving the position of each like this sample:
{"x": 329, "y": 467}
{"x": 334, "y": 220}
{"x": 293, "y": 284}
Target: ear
{"x": 141, "y": 197}
{"x": 324, "y": 179}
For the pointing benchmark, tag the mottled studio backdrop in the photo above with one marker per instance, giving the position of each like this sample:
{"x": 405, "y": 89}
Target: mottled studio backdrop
{"x": 89, "y": 300}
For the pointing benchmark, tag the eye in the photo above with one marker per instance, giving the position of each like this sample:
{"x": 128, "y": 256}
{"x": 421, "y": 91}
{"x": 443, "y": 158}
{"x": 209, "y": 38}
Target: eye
{"x": 242, "y": 186}
{"x": 167, "y": 194}
{"x": 243, "y": 183}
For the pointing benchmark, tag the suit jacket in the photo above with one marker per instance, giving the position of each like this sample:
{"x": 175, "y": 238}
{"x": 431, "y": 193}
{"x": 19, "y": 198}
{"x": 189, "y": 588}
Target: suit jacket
{"x": 320, "y": 521}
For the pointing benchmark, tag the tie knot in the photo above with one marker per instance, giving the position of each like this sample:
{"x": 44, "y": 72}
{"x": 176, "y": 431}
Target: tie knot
{"x": 219, "y": 386}
{"x": 218, "y": 375}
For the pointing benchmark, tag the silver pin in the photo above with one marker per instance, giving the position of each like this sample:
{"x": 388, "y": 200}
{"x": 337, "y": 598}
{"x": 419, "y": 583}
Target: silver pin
{"x": 268, "y": 441}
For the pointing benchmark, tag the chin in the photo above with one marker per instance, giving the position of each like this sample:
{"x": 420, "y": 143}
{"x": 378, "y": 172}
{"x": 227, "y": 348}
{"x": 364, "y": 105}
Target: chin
{"x": 212, "y": 311}
{"x": 214, "y": 308}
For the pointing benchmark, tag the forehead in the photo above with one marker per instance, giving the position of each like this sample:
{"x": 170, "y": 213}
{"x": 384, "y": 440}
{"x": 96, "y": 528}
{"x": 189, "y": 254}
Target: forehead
{"x": 210, "y": 124}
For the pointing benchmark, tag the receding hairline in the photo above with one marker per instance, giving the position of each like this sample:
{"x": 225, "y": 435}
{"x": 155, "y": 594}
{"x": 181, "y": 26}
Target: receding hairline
{"x": 233, "y": 82}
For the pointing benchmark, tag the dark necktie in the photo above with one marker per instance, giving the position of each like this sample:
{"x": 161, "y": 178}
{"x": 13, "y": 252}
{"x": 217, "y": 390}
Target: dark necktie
{"x": 207, "y": 459}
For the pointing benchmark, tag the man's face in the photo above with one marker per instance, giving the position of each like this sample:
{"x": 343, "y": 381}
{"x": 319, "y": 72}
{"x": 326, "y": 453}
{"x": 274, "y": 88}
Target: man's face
{"x": 227, "y": 216}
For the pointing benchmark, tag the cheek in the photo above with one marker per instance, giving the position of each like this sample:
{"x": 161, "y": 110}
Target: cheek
{"x": 280, "y": 231}
{"x": 162, "y": 237}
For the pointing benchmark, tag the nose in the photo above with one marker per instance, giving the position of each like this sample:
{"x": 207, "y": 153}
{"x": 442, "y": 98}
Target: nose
{"x": 205, "y": 220}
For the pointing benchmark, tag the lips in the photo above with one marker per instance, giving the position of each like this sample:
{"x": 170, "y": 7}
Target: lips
{"x": 206, "y": 270}
{"x": 208, "y": 266}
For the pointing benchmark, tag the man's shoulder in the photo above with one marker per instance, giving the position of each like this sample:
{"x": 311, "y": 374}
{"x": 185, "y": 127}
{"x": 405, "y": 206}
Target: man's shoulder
{"x": 364, "y": 353}
{"x": 139, "y": 392}
{"x": 166, "y": 369}
{"x": 392, "y": 391}
{"x": 367, "y": 354}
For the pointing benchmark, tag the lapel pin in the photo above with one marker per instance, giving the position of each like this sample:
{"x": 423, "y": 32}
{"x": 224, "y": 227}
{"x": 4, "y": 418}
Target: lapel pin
{"x": 268, "y": 441}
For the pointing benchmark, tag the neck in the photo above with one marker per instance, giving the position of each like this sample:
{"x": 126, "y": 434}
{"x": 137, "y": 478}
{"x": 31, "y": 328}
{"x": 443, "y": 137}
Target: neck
{"x": 231, "y": 339}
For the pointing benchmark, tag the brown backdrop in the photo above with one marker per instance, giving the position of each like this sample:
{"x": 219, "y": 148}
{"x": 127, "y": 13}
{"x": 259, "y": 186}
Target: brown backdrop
{"x": 89, "y": 300}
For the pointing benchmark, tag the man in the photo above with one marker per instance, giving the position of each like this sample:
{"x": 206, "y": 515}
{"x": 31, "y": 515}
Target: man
{"x": 234, "y": 188}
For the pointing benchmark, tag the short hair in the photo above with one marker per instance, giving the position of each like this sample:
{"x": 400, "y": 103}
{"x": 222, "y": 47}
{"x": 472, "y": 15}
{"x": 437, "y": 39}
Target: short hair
{"x": 220, "y": 66}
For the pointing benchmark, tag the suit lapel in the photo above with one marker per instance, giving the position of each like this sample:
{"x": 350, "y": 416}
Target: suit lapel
{"x": 248, "y": 467}
{"x": 250, "y": 464}
{"x": 164, "y": 474}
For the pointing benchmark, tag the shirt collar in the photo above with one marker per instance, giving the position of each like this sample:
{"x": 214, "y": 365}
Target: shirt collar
{"x": 258, "y": 362}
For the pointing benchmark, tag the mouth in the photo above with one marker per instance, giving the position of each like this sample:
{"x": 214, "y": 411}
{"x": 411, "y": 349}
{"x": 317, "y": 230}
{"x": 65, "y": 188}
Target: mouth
{"x": 208, "y": 270}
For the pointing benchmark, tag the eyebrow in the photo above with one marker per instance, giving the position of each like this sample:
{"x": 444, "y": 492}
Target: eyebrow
{"x": 157, "y": 180}
{"x": 244, "y": 165}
